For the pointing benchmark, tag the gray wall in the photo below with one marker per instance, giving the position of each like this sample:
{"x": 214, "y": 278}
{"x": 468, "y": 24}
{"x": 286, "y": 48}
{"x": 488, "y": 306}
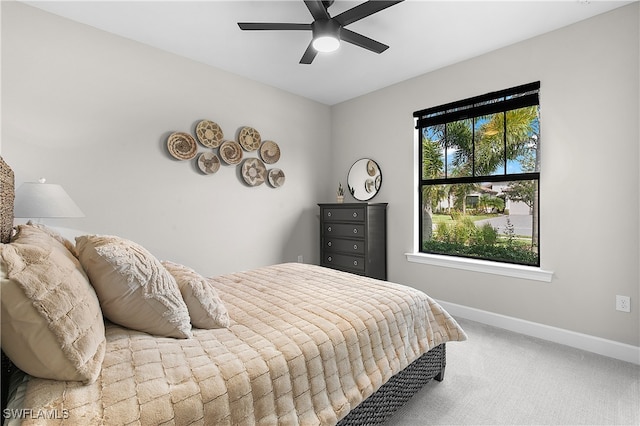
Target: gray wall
{"x": 92, "y": 111}
{"x": 589, "y": 184}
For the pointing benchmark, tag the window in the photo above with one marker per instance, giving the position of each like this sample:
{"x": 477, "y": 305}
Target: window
{"x": 479, "y": 165}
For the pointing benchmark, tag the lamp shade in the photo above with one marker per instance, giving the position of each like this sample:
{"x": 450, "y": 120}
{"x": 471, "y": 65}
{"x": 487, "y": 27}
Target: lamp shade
{"x": 42, "y": 200}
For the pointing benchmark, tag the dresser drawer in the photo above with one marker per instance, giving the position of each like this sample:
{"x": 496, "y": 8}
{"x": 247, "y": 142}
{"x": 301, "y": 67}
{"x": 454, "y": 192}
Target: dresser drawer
{"x": 344, "y": 214}
{"x": 353, "y": 238}
{"x": 343, "y": 230}
{"x": 345, "y": 246}
{"x": 334, "y": 260}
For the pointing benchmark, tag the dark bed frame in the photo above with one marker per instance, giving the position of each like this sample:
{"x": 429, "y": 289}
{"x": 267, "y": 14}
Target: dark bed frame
{"x": 372, "y": 411}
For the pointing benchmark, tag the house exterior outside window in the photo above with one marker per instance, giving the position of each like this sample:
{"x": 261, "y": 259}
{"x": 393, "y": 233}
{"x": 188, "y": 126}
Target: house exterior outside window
{"x": 479, "y": 171}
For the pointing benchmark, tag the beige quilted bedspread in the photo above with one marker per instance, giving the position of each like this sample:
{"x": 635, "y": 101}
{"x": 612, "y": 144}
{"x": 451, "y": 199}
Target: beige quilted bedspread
{"x": 306, "y": 344}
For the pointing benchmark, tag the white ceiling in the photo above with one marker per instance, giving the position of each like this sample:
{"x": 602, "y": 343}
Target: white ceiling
{"x": 423, "y": 35}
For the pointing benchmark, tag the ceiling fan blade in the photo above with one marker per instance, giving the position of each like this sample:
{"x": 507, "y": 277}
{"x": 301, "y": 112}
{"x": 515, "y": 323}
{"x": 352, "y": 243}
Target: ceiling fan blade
{"x": 317, "y": 9}
{"x": 252, "y": 26}
{"x": 309, "y": 55}
{"x": 362, "y": 41}
{"x": 363, "y": 10}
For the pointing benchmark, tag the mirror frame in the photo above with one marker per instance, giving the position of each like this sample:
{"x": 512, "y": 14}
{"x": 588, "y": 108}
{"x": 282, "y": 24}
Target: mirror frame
{"x": 364, "y": 179}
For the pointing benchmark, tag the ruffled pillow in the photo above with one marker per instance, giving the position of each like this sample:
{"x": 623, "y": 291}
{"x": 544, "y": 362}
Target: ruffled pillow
{"x": 206, "y": 309}
{"x": 134, "y": 289}
{"x": 52, "y": 325}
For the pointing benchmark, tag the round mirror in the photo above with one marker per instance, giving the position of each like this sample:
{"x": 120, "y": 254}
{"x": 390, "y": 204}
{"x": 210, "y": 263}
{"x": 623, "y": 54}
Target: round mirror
{"x": 364, "y": 179}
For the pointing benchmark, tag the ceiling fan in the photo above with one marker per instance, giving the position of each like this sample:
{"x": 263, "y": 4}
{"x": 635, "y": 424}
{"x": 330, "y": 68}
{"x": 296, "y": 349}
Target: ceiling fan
{"x": 328, "y": 31}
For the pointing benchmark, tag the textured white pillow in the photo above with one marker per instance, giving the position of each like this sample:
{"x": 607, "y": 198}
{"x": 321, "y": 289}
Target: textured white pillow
{"x": 52, "y": 326}
{"x": 206, "y": 309}
{"x": 134, "y": 289}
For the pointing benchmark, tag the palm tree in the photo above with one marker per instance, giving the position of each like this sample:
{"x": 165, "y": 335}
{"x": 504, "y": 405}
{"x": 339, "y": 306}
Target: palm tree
{"x": 432, "y": 167}
{"x": 461, "y": 191}
{"x": 459, "y": 141}
{"x": 521, "y": 143}
{"x": 476, "y": 147}
{"x": 485, "y": 145}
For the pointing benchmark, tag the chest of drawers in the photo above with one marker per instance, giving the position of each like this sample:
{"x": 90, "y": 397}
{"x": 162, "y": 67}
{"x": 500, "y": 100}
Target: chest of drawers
{"x": 353, "y": 238}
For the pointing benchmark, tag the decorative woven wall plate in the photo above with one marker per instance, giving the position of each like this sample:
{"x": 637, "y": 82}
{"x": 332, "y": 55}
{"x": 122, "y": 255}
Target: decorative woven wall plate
{"x": 209, "y": 134}
{"x": 182, "y": 146}
{"x": 254, "y": 171}
{"x": 208, "y": 162}
{"x": 249, "y": 138}
{"x": 270, "y": 152}
{"x": 372, "y": 168}
{"x": 276, "y": 178}
{"x": 230, "y": 152}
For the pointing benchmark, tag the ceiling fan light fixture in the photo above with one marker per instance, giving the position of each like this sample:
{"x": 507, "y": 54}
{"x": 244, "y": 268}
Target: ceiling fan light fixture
{"x": 326, "y": 43}
{"x": 326, "y": 35}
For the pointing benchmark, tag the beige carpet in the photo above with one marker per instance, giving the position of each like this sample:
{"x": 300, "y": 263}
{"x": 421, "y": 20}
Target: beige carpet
{"x": 502, "y": 378}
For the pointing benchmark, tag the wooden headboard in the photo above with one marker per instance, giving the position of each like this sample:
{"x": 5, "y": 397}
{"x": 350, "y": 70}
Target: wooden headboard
{"x": 7, "y": 194}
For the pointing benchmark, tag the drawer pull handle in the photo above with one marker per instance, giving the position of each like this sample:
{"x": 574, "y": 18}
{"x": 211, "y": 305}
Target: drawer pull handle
{"x": 329, "y": 214}
{"x": 355, "y": 230}
{"x": 355, "y": 247}
{"x": 355, "y": 214}
{"x": 329, "y": 229}
{"x": 329, "y": 259}
{"x": 329, "y": 243}
{"x": 355, "y": 263}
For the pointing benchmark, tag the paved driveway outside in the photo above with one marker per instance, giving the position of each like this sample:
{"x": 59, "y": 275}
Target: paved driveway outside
{"x": 522, "y": 223}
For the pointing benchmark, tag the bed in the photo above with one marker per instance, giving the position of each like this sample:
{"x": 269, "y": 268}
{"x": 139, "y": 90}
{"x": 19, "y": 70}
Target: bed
{"x": 283, "y": 344}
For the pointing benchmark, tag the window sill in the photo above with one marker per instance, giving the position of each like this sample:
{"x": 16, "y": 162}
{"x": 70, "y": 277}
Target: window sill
{"x": 485, "y": 266}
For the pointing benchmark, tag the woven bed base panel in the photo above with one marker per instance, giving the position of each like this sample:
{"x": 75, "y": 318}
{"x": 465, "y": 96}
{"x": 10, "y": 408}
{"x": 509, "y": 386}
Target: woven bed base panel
{"x": 398, "y": 390}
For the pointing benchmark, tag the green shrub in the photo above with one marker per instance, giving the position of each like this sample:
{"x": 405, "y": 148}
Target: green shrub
{"x": 486, "y": 235}
{"x": 463, "y": 238}
{"x": 443, "y": 232}
{"x": 464, "y": 231}
{"x": 496, "y": 252}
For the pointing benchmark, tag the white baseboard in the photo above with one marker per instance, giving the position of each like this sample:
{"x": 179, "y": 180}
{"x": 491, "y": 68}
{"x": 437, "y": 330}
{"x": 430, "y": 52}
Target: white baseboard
{"x": 610, "y": 348}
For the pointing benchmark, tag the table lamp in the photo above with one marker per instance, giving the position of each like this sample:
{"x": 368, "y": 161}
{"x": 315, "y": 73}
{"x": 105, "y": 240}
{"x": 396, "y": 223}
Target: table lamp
{"x": 38, "y": 200}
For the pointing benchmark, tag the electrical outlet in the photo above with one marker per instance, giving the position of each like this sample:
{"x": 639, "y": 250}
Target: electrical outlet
{"x": 623, "y": 303}
{"x": 300, "y": 259}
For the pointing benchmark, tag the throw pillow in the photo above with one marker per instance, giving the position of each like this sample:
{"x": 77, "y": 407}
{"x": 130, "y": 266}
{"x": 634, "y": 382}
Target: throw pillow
{"x": 133, "y": 287}
{"x": 32, "y": 231}
{"x": 206, "y": 309}
{"x": 52, "y": 325}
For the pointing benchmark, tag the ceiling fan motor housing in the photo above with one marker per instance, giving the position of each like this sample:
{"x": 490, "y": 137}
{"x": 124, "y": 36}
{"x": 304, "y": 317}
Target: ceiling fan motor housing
{"x": 326, "y": 28}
